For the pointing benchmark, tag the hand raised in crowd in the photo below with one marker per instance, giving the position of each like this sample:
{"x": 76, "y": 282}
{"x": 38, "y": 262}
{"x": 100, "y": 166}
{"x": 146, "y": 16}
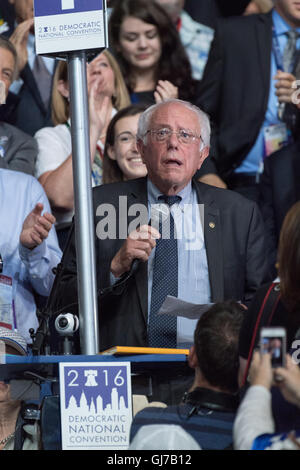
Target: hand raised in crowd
{"x": 99, "y": 107}
{"x": 261, "y": 372}
{"x": 165, "y": 90}
{"x": 36, "y": 227}
{"x": 290, "y": 381}
{"x": 284, "y": 86}
{"x": 19, "y": 39}
{"x": 138, "y": 245}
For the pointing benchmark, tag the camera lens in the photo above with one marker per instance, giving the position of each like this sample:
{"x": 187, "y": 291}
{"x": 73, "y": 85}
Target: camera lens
{"x": 63, "y": 322}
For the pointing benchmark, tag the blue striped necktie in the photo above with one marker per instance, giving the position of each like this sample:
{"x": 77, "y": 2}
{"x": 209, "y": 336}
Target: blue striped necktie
{"x": 162, "y": 328}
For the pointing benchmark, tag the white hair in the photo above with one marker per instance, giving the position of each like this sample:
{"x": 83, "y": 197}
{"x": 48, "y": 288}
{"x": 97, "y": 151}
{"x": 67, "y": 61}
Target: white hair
{"x": 145, "y": 118}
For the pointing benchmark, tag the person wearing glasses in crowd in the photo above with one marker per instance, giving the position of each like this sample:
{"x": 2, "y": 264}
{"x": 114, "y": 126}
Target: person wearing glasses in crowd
{"x": 219, "y": 234}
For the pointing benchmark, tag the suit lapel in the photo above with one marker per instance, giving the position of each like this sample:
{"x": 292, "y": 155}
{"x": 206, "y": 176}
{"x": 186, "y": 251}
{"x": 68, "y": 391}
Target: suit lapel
{"x": 29, "y": 79}
{"x": 212, "y": 238}
{"x": 264, "y": 49}
{"x": 30, "y": 82}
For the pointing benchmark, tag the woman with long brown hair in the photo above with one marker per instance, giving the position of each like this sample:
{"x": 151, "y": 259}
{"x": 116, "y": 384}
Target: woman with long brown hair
{"x": 151, "y": 56}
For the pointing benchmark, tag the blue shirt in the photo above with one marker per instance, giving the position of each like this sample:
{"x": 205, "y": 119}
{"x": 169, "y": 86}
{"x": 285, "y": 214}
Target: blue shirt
{"x": 30, "y": 269}
{"x": 193, "y": 277}
{"x": 196, "y": 39}
{"x": 253, "y": 161}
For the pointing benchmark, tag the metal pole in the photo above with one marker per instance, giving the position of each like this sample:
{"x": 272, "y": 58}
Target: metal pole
{"x": 84, "y": 226}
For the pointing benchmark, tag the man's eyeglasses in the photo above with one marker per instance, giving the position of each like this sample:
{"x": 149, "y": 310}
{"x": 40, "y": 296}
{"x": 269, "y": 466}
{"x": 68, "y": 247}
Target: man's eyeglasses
{"x": 184, "y": 136}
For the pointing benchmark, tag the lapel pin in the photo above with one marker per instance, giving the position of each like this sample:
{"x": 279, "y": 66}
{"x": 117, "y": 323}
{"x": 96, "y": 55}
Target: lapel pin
{"x": 212, "y": 224}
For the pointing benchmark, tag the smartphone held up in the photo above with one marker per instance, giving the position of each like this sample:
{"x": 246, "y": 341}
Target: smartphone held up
{"x": 273, "y": 341}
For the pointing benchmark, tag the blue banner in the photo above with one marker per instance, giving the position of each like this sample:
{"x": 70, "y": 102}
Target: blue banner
{"x": 60, "y": 7}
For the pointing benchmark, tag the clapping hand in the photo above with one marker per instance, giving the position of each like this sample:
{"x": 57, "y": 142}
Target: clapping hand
{"x": 165, "y": 90}
{"x": 19, "y": 39}
{"x": 99, "y": 107}
{"x": 36, "y": 227}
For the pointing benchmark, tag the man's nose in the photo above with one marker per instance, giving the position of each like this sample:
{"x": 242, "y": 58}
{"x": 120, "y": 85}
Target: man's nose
{"x": 173, "y": 140}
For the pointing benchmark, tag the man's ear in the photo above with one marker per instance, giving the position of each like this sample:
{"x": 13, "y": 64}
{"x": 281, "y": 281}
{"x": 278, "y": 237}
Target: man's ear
{"x": 111, "y": 152}
{"x": 203, "y": 155}
{"x": 192, "y": 359}
{"x": 63, "y": 88}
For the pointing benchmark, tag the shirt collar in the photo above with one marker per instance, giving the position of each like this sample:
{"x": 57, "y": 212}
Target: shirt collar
{"x": 154, "y": 193}
{"x": 280, "y": 25}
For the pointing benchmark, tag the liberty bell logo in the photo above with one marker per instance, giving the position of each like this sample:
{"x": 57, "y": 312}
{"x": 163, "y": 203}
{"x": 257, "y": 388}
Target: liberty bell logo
{"x": 67, "y": 4}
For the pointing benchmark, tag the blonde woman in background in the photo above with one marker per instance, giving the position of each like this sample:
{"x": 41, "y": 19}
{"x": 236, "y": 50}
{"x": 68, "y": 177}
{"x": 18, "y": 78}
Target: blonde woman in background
{"x": 107, "y": 93}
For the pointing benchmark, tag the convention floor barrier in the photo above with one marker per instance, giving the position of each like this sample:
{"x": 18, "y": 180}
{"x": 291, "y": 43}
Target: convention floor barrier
{"x": 15, "y": 366}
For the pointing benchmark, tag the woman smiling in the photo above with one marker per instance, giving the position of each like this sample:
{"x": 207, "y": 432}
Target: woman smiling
{"x": 149, "y": 50}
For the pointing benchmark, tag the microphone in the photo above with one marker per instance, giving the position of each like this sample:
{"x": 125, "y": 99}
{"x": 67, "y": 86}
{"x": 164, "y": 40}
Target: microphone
{"x": 158, "y": 212}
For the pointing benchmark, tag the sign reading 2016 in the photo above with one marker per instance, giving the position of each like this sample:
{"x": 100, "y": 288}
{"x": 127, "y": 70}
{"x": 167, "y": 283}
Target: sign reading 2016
{"x": 69, "y": 25}
{"x": 96, "y": 409}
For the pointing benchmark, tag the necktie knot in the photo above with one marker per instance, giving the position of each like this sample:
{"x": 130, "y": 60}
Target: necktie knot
{"x": 170, "y": 200}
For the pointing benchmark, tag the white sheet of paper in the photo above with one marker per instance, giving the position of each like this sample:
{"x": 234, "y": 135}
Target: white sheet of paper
{"x": 180, "y": 308}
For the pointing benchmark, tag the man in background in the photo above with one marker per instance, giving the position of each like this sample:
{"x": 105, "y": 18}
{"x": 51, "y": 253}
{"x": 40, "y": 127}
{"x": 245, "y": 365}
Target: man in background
{"x": 246, "y": 90}
{"x": 18, "y": 150}
{"x": 195, "y": 37}
{"x": 33, "y": 88}
{"x": 208, "y": 409}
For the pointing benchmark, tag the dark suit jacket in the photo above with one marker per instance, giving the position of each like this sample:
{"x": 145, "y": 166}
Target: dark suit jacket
{"x": 235, "y": 86}
{"x": 18, "y": 150}
{"x": 234, "y": 240}
{"x": 29, "y": 112}
{"x": 280, "y": 189}
{"x": 30, "y": 99}
{"x": 207, "y": 12}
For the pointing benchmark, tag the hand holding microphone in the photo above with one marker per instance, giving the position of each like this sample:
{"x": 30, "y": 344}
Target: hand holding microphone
{"x": 139, "y": 243}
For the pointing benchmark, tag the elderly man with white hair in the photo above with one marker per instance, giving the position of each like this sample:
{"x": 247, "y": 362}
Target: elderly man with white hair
{"x": 210, "y": 246}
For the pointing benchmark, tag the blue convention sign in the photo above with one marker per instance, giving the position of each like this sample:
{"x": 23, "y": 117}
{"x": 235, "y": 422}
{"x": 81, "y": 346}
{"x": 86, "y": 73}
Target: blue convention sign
{"x": 62, "y": 26}
{"x": 59, "y": 7}
{"x": 96, "y": 405}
